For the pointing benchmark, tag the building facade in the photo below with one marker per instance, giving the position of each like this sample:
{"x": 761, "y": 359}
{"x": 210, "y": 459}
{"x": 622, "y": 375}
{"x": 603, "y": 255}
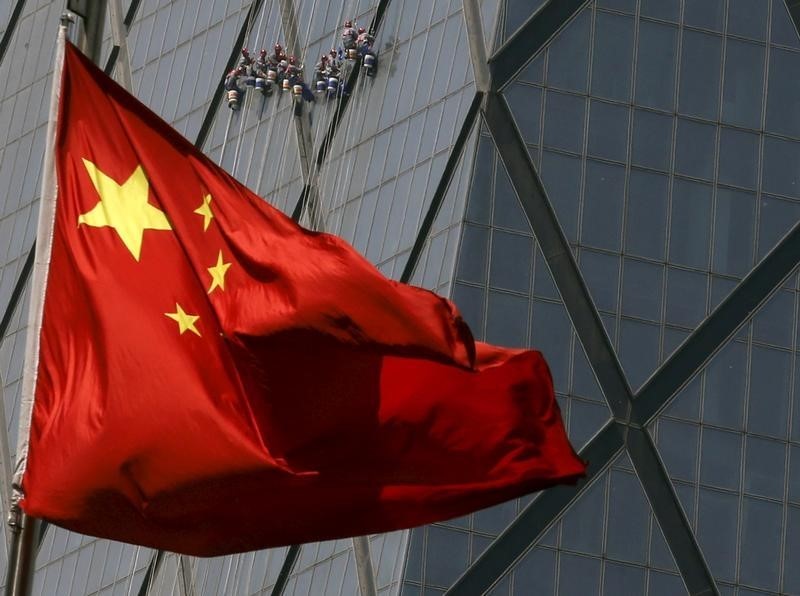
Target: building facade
{"x": 613, "y": 182}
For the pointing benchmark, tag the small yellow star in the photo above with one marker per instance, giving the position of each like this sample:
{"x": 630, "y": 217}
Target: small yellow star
{"x": 218, "y": 272}
{"x": 124, "y": 207}
{"x": 185, "y": 321}
{"x": 205, "y": 211}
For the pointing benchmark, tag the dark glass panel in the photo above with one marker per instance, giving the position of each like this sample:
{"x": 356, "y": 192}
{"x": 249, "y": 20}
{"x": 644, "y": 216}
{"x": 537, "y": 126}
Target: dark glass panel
{"x": 691, "y": 223}
{"x": 494, "y": 519}
{"x": 507, "y": 320}
{"x": 783, "y": 93}
{"x": 695, "y": 149}
{"x": 678, "y": 444}
{"x": 511, "y": 261}
{"x": 561, "y": 175}
{"x": 708, "y": 14}
{"x": 526, "y": 104}
{"x": 768, "y": 411}
{"x": 686, "y": 297}
{"x": 601, "y": 273}
{"x": 776, "y": 218}
{"x": 791, "y": 572}
{"x": 564, "y": 120}
{"x": 472, "y": 258}
{"x": 720, "y": 458}
{"x": 613, "y": 52}
{"x": 578, "y": 576}
{"x": 652, "y": 140}
{"x": 444, "y": 570}
{"x": 744, "y": 84}
{"x": 645, "y": 224}
{"x": 470, "y": 302}
{"x": 655, "y": 65}
{"x": 738, "y": 157}
{"x": 717, "y": 532}
{"x": 642, "y": 290}
{"x": 734, "y": 232}
{"x": 765, "y": 465}
{"x": 608, "y": 131}
{"x": 638, "y": 350}
{"x": 568, "y": 55}
{"x": 582, "y": 527}
{"x": 628, "y": 512}
{"x": 748, "y": 18}
{"x": 700, "y": 74}
{"x": 667, "y": 10}
{"x": 725, "y": 387}
{"x": 621, "y": 5}
{"x": 769, "y": 323}
{"x": 479, "y": 202}
{"x": 551, "y": 332}
{"x": 602, "y": 210}
{"x": 535, "y": 573}
{"x": 761, "y": 544}
{"x": 508, "y": 211}
{"x": 781, "y": 172}
{"x": 623, "y": 579}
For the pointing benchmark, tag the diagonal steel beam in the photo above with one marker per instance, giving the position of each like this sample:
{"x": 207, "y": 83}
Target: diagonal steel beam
{"x": 600, "y": 353}
{"x": 286, "y": 570}
{"x": 538, "y": 516}
{"x": 133, "y": 7}
{"x": 712, "y": 334}
{"x": 529, "y": 39}
{"x": 10, "y": 28}
{"x": 456, "y": 152}
{"x": 655, "y": 395}
{"x": 794, "y": 11}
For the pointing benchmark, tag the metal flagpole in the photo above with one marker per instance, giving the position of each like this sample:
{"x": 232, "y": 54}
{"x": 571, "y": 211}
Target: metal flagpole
{"x": 366, "y": 575}
{"x": 24, "y": 529}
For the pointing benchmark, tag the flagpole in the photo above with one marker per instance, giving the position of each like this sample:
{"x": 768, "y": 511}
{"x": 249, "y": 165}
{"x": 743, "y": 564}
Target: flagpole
{"x": 24, "y": 529}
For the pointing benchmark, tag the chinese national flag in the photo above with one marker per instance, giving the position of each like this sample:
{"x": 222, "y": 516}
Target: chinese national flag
{"x": 213, "y": 378}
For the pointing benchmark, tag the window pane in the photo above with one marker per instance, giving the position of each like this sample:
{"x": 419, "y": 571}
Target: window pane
{"x": 734, "y": 229}
{"x": 564, "y": 121}
{"x": 699, "y": 79}
{"x": 761, "y": 543}
{"x": 561, "y": 176}
{"x": 611, "y": 67}
{"x": 655, "y": 65}
{"x": 645, "y": 231}
{"x": 602, "y": 210}
{"x": 691, "y": 223}
{"x": 748, "y": 18}
{"x": 694, "y": 149}
{"x": 708, "y": 14}
{"x": 568, "y": 55}
{"x": 783, "y": 95}
{"x": 652, "y": 140}
{"x": 744, "y": 82}
{"x": 608, "y": 131}
{"x": 738, "y": 157}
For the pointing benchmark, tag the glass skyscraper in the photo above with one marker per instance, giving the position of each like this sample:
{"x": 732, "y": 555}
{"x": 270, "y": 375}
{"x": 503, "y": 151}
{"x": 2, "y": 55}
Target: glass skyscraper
{"x": 613, "y": 182}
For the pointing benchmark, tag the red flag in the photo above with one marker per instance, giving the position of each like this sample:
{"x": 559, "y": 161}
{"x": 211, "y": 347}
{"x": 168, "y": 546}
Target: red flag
{"x": 214, "y": 378}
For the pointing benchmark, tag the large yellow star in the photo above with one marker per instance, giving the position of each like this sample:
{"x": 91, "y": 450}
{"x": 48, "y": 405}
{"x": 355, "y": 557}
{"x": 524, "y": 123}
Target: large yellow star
{"x": 205, "y": 211}
{"x": 218, "y": 272}
{"x": 124, "y": 207}
{"x": 185, "y": 321}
